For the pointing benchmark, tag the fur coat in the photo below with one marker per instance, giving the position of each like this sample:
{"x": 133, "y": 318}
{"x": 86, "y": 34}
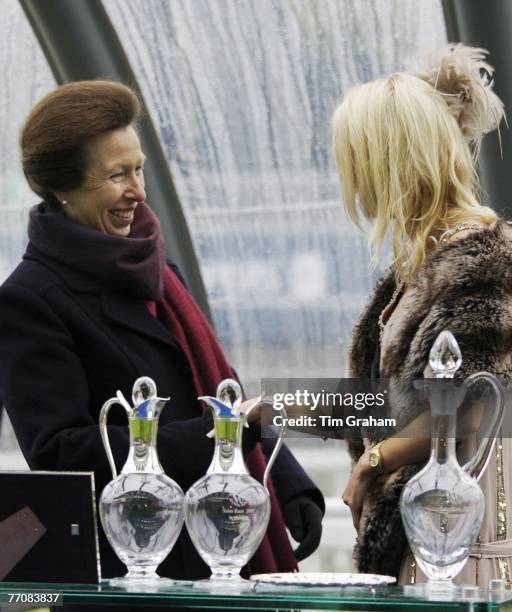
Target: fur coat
{"x": 464, "y": 287}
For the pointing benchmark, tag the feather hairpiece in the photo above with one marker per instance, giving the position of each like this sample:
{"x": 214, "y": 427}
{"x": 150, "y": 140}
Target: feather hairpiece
{"x": 464, "y": 79}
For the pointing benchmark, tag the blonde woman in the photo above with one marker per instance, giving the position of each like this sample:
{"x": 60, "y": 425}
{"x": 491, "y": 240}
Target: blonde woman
{"x": 405, "y": 148}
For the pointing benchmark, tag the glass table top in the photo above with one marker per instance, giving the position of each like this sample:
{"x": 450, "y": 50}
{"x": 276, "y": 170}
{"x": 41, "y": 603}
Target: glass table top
{"x": 260, "y": 596}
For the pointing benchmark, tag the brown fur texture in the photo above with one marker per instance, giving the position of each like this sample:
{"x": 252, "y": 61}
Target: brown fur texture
{"x": 464, "y": 287}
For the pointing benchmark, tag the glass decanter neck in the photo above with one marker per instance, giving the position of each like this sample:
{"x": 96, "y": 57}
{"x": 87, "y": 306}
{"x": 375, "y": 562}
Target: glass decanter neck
{"x": 442, "y": 447}
{"x": 142, "y": 455}
{"x": 227, "y": 456}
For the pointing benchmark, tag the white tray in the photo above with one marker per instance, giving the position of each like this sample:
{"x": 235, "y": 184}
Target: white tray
{"x": 324, "y": 579}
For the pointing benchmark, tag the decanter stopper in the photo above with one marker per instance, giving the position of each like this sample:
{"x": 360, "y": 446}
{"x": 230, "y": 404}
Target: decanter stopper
{"x": 445, "y": 357}
{"x": 229, "y": 393}
{"x": 144, "y": 388}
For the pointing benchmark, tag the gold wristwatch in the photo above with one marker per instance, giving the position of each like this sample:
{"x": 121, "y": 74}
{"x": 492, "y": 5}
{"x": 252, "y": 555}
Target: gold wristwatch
{"x": 375, "y": 458}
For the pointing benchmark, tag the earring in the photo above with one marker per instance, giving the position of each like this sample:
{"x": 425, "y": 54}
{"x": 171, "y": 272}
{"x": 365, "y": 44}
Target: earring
{"x": 64, "y": 202}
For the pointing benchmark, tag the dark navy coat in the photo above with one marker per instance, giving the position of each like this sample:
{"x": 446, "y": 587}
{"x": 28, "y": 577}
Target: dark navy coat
{"x": 66, "y": 345}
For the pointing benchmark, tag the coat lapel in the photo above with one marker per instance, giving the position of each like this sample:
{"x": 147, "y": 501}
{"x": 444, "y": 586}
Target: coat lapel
{"x": 135, "y": 316}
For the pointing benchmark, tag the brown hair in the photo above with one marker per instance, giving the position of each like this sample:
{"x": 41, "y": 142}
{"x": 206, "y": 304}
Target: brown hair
{"x": 55, "y": 132}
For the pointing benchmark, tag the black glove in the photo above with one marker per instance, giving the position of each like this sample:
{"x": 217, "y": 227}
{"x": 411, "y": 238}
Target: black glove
{"x": 303, "y": 518}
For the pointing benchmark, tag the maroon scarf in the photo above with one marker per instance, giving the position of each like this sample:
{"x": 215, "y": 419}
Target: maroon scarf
{"x": 136, "y": 265}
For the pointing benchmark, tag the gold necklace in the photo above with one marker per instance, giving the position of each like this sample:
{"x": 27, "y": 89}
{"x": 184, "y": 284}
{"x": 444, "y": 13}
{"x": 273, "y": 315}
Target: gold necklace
{"x": 467, "y": 225}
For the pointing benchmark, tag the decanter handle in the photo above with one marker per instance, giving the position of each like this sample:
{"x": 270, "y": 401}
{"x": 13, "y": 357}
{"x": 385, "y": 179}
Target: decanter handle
{"x": 277, "y": 447}
{"x": 477, "y": 464}
{"x": 103, "y": 428}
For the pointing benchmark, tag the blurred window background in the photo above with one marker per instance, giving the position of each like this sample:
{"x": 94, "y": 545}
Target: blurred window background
{"x": 26, "y": 77}
{"x": 241, "y": 94}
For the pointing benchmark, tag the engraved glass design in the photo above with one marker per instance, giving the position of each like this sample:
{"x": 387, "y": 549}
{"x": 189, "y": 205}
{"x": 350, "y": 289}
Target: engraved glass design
{"x": 227, "y": 511}
{"x": 141, "y": 510}
{"x": 442, "y": 506}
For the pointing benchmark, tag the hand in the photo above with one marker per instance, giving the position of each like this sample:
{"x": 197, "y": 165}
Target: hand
{"x": 304, "y": 520}
{"x": 355, "y": 492}
{"x": 254, "y": 415}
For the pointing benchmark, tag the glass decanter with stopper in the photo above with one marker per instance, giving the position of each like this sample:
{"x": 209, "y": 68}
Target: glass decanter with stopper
{"x": 141, "y": 509}
{"x": 442, "y": 506}
{"x": 227, "y": 510}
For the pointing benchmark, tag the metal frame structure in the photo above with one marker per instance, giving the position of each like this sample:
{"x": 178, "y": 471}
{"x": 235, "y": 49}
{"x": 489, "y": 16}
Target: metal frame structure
{"x": 487, "y": 25}
{"x": 80, "y": 43}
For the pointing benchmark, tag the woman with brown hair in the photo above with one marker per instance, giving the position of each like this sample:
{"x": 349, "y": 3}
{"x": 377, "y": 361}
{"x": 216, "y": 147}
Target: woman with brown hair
{"x": 94, "y": 305}
{"x": 405, "y": 147}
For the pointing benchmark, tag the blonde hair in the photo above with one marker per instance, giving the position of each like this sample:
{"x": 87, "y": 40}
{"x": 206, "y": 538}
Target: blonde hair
{"x": 404, "y": 154}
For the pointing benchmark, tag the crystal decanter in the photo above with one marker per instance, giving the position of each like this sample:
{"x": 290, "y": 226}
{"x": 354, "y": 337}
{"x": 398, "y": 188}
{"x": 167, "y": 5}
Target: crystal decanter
{"x": 227, "y": 511}
{"x": 141, "y": 509}
{"x": 442, "y": 506}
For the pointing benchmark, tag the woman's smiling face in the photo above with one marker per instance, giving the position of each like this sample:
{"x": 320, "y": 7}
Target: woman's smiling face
{"x": 113, "y": 183}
